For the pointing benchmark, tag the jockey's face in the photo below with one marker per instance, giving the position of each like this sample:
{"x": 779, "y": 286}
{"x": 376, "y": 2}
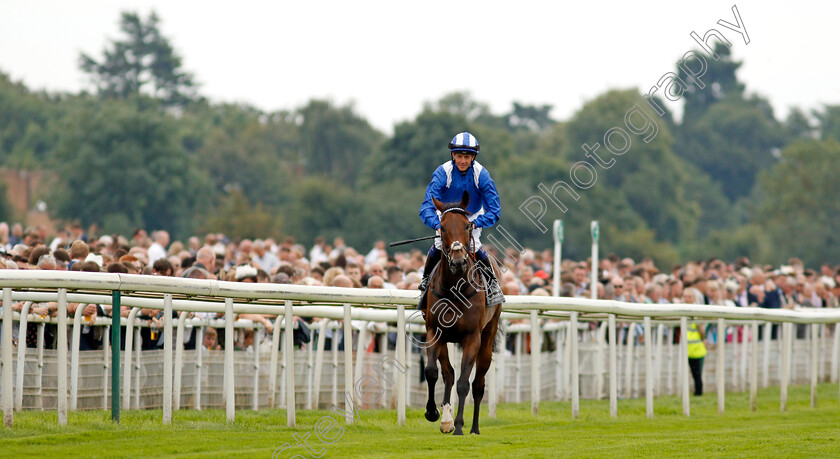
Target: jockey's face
{"x": 463, "y": 160}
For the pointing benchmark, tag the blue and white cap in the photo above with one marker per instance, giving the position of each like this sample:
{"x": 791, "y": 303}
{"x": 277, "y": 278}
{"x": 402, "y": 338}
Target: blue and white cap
{"x": 464, "y": 141}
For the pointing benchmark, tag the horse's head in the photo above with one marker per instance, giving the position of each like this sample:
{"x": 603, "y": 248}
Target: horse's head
{"x": 455, "y": 233}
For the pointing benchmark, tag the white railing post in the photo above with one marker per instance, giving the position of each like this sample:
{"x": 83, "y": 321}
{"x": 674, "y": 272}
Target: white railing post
{"x": 230, "y": 407}
{"x": 289, "y": 354}
{"x": 401, "y": 358}
{"x": 129, "y": 343}
{"x": 613, "y": 367}
{"x": 754, "y": 368}
{"x": 648, "y": 369}
{"x": 813, "y": 367}
{"x": 8, "y": 381}
{"x": 348, "y": 365}
{"x": 21, "y": 355}
{"x": 179, "y": 359}
{"x": 319, "y": 360}
{"x": 61, "y": 344}
{"x": 74, "y": 356}
{"x": 573, "y": 332}
{"x": 167, "y": 358}
{"x": 720, "y": 371}
{"x": 272, "y": 365}
{"x": 786, "y": 330}
{"x": 683, "y": 366}
{"x": 536, "y": 346}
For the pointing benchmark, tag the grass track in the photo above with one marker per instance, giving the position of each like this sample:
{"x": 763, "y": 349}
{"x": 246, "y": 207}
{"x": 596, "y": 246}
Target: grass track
{"x": 801, "y": 431}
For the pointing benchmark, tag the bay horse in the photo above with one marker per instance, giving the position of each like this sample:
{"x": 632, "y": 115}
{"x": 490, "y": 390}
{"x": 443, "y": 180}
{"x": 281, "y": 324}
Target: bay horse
{"x": 456, "y": 312}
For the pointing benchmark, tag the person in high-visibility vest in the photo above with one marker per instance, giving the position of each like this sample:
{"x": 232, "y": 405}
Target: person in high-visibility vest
{"x": 695, "y": 336}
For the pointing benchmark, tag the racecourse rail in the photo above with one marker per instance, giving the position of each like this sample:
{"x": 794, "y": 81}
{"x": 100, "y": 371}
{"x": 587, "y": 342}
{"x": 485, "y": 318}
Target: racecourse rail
{"x": 375, "y": 305}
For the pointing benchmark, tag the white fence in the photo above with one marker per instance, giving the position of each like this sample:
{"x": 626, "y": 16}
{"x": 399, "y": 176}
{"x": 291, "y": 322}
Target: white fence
{"x": 580, "y": 364}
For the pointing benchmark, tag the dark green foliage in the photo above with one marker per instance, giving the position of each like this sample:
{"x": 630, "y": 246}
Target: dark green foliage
{"x": 143, "y": 62}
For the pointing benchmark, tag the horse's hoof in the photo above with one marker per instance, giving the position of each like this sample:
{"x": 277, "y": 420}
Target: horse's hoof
{"x": 475, "y": 431}
{"x": 432, "y": 417}
{"x": 447, "y": 427}
{"x": 458, "y": 432}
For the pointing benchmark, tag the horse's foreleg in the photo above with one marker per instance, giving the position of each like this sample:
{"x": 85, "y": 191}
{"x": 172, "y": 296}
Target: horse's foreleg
{"x": 446, "y": 421}
{"x": 432, "y": 413}
{"x": 470, "y": 347}
{"x": 485, "y": 357}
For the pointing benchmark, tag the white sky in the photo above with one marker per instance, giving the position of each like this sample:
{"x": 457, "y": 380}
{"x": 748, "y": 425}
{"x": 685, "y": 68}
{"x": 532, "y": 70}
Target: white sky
{"x": 389, "y": 57}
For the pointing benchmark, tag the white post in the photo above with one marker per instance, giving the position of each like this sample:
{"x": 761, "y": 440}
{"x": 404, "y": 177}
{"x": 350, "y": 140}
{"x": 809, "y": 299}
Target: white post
{"x": 567, "y": 362}
{"x": 787, "y": 329}
{"x": 683, "y": 366}
{"x": 575, "y": 370}
{"x": 167, "y": 358}
{"x": 230, "y": 407}
{"x": 256, "y": 388}
{"x": 600, "y": 339}
{"x": 835, "y": 354}
{"x": 179, "y": 360}
{"x": 319, "y": 359}
{"x": 814, "y": 341}
{"x": 401, "y": 358}
{"x": 75, "y": 341}
{"x": 613, "y": 367}
{"x": 129, "y": 343}
{"x": 558, "y": 251}
{"x": 361, "y": 350}
{"x": 536, "y": 345}
{"x": 671, "y": 371}
{"x": 657, "y": 382}
{"x": 558, "y": 369}
{"x": 648, "y": 369}
{"x": 491, "y": 387}
{"x": 721, "y": 366}
{"x": 137, "y": 353}
{"x": 21, "y": 355}
{"x": 754, "y": 368}
{"x": 334, "y": 348}
{"x": 518, "y": 383}
{"x": 61, "y": 342}
{"x": 8, "y": 381}
{"x": 765, "y": 338}
{"x": 272, "y": 365}
{"x": 348, "y": 365}
{"x": 41, "y": 327}
{"x": 289, "y": 354}
{"x": 628, "y": 364}
{"x": 106, "y": 365}
{"x": 199, "y": 347}
{"x": 593, "y": 280}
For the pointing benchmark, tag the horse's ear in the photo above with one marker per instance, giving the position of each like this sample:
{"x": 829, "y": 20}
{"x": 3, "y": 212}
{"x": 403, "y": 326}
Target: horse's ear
{"x": 465, "y": 200}
{"x": 438, "y": 205}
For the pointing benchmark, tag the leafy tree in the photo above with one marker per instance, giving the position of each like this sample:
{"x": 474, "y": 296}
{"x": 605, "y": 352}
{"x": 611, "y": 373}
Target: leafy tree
{"x": 530, "y": 117}
{"x": 828, "y": 121}
{"x": 719, "y": 82}
{"x": 27, "y": 133}
{"x": 143, "y": 62}
{"x": 799, "y": 205}
{"x": 335, "y": 141}
{"x": 732, "y": 142}
{"x": 236, "y": 217}
{"x": 648, "y": 175}
{"x": 124, "y": 168}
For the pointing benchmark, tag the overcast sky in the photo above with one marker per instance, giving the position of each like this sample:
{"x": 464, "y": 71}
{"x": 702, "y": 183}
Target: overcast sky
{"x": 390, "y": 57}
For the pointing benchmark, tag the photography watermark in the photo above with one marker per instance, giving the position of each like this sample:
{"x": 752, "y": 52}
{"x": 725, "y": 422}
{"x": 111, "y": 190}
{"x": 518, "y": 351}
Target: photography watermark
{"x": 368, "y": 389}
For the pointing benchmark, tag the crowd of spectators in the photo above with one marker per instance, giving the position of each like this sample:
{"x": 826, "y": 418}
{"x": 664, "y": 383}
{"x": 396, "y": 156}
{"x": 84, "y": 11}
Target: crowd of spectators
{"x": 215, "y": 256}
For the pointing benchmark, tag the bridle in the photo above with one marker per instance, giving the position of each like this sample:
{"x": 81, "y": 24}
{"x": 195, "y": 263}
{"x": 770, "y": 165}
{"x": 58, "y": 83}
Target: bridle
{"x": 457, "y": 246}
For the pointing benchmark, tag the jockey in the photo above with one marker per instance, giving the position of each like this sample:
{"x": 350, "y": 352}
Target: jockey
{"x": 449, "y": 181}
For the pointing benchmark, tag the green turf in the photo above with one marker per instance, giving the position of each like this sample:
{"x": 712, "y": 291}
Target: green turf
{"x": 801, "y": 431}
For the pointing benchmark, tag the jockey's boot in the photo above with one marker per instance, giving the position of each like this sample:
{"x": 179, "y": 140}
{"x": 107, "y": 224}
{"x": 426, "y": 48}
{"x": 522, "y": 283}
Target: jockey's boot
{"x": 432, "y": 259}
{"x": 494, "y": 290}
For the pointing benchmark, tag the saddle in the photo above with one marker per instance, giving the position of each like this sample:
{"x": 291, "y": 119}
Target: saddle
{"x": 493, "y": 291}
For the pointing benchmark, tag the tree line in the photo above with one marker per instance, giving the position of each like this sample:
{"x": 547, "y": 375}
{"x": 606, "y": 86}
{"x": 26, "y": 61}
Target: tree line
{"x": 143, "y": 148}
